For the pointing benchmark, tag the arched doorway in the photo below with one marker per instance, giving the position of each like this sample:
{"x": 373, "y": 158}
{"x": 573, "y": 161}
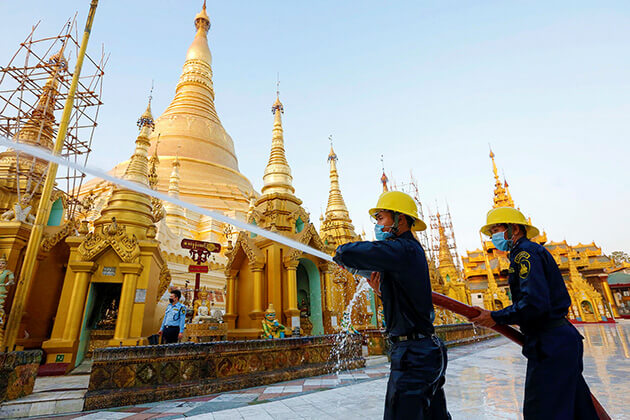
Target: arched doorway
{"x": 309, "y": 294}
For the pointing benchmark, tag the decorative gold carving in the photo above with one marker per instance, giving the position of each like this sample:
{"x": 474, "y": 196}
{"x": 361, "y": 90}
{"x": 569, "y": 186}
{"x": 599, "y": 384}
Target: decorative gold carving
{"x": 49, "y": 241}
{"x": 165, "y": 281}
{"x": 113, "y": 235}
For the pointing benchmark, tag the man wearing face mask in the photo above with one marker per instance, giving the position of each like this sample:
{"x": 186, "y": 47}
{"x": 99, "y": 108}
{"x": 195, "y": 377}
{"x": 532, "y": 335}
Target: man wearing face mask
{"x": 172, "y": 328}
{"x": 554, "y": 385}
{"x": 400, "y": 276}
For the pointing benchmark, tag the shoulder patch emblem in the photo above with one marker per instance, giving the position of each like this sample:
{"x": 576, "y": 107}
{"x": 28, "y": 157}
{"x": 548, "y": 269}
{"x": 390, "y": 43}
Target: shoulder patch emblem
{"x": 524, "y": 270}
{"x": 523, "y": 255}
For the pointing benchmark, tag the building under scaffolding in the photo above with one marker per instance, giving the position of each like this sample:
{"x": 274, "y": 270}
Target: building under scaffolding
{"x": 33, "y": 88}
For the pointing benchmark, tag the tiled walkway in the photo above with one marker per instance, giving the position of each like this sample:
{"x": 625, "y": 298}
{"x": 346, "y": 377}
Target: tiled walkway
{"x": 484, "y": 380}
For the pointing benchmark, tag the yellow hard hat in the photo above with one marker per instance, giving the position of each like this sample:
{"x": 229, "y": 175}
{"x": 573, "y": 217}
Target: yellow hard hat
{"x": 401, "y": 203}
{"x": 508, "y": 215}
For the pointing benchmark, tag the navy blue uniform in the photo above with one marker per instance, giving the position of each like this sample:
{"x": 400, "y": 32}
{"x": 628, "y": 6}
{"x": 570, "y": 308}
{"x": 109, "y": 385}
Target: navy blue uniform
{"x": 554, "y": 385}
{"x": 415, "y": 387}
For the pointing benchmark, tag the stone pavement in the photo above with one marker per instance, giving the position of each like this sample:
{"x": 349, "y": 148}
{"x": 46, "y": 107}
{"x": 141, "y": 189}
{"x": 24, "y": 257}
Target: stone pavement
{"x": 484, "y": 380}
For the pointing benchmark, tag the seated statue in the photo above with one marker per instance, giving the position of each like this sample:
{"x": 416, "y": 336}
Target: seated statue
{"x": 21, "y": 211}
{"x": 108, "y": 321}
{"x": 271, "y": 328}
{"x": 201, "y": 308}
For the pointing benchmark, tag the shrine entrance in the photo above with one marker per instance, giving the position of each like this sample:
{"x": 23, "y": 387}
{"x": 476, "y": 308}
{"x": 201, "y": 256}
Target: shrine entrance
{"x": 99, "y": 318}
{"x": 309, "y": 296}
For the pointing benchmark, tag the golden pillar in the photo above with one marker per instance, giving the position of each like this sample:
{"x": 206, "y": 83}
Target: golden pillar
{"x": 609, "y": 297}
{"x": 130, "y": 272}
{"x": 291, "y": 310}
{"x": 257, "y": 312}
{"x": 83, "y": 272}
{"x": 230, "y": 306}
{"x": 325, "y": 270}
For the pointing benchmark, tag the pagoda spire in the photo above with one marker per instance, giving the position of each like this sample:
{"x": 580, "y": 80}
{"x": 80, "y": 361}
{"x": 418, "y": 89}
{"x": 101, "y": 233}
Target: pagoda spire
{"x": 336, "y": 228}
{"x": 175, "y": 215}
{"x": 277, "y": 177}
{"x": 384, "y": 179}
{"x": 445, "y": 257}
{"x": 191, "y": 122}
{"x": 336, "y": 207}
{"x": 128, "y": 207}
{"x": 502, "y": 197}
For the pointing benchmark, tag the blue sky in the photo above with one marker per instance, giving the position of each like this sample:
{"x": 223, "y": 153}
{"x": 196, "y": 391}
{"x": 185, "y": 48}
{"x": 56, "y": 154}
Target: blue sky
{"x": 426, "y": 84}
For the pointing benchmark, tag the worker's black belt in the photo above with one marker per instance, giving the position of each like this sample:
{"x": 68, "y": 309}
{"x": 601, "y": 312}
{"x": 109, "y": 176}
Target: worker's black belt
{"x": 408, "y": 337}
{"x": 545, "y": 326}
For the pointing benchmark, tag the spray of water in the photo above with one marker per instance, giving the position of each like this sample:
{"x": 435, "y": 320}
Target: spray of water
{"x": 340, "y": 349}
{"x": 46, "y": 155}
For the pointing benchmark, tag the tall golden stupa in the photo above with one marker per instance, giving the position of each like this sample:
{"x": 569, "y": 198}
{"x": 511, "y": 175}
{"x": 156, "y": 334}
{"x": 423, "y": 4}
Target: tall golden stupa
{"x": 193, "y": 158}
{"x": 191, "y": 130}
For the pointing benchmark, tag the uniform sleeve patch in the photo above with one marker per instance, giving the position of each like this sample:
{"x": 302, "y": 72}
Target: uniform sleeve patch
{"x": 523, "y": 255}
{"x": 524, "y": 270}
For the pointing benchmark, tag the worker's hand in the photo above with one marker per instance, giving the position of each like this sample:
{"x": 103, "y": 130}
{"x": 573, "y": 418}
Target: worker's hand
{"x": 484, "y": 318}
{"x": 375, "y": 282}
{"x": 180, "y": 336}
{"x": 160, "y": 332}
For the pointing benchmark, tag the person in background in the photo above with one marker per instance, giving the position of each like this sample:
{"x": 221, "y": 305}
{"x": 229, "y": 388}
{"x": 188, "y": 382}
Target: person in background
{"x": 172, "y": 328}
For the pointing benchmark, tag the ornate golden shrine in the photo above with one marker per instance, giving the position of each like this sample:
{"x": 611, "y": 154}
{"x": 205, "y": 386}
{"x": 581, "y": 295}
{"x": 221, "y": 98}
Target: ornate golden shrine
{"x": 261, "y": 272}
{"x": 121, "y": 252}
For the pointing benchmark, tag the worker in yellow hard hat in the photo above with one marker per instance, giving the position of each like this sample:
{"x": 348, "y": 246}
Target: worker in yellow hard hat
{"x": 554, "y": 385}
{"x": 399, "y": 274}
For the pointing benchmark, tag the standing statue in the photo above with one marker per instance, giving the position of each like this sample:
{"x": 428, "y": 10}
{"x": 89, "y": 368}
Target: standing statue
{"x": 6, "y": 279}
{"x": 271, "y": 328}
{"x": 21, "y": 211}
{"x": 346, "y": 324}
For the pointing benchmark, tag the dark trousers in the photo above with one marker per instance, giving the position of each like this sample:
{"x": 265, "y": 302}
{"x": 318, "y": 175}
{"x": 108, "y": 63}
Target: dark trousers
{"x": 416, "y": 380}
{"x": 170, "y": 335}
{"x": 554, "y": 385}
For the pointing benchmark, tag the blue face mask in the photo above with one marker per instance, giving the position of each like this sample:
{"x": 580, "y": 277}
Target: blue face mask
{"x": 380, "y": 234}
{"x": 502, "y": 244}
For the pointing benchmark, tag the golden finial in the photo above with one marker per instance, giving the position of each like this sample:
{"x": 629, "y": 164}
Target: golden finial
{"x": 146, "y": 119}
{"x": 277, "y": 105}
{"x": 332, "y": 155}
{"x": 202, "y": 20}
{"x": 384, "y": 179}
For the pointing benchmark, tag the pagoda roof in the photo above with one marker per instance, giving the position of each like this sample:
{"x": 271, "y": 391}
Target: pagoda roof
{"x": 618, "y": 278}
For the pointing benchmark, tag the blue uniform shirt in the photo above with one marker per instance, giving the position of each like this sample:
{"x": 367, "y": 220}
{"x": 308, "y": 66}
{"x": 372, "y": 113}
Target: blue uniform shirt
{"x": 538, "y": 290}
{"x": 175, "y": 316}
{"x": 405, "y": 282}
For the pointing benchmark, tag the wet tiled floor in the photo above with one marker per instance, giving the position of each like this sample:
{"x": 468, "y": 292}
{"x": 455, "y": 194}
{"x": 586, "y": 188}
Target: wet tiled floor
{"x": 484, "y": 380}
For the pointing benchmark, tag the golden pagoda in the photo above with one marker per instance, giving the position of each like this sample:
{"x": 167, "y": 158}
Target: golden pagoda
{"x": 452, "y": 279}
{"x": 486, "y": 269}
{"x": 193, "y": 158}
{"x": 115, "y": 274}
{"x": 336, "y": 229}
{"x": 261, "y": 272}
{"x": 190, "y": 130}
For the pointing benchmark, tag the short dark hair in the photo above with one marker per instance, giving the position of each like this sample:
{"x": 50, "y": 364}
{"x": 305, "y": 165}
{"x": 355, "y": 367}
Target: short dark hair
{"x": 176, "y": 293}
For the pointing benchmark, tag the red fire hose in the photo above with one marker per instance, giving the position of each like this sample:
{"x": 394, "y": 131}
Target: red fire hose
{"x": 509, "y": 332}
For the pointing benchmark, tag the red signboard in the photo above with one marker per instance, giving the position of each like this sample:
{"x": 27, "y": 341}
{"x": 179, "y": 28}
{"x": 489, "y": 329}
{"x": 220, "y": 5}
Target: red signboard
{"x": 197, "y": 268}
{"x": 193, "y": 244}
